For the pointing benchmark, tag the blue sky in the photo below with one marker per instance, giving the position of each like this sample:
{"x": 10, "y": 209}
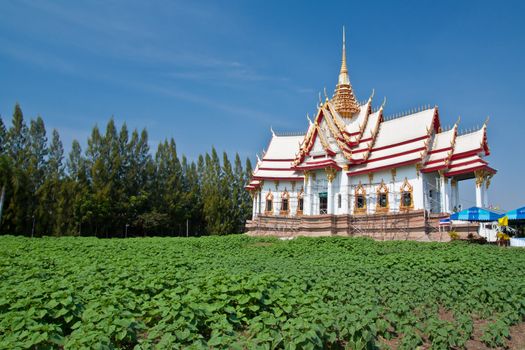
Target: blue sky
{"x": 222, "y": 72}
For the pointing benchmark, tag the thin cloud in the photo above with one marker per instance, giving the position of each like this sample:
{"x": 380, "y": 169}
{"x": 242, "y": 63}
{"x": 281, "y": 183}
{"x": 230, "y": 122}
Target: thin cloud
{"x": 41, "y": 59}
{"x": 107, "y": 36}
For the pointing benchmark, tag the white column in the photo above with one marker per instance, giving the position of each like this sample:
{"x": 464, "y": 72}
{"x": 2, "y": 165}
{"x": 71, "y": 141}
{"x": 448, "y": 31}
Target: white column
{"x": 330, "y": 197}
{"x": 343, "y": 183}
{"x": 254, "y": 207}
{"x": 259, "y": 196}
{"x": 276, "y": 200}
{"x": 479, "y": 194}
{"x": 486, "y": 195}
{"x": 371, "y": 199}
{"x": 292, "y": 203}
{"x": 448, "y": 199}
{"x": 419, "y": 191}
{"x": 483, "y": 195}
{"x": 307, "y": 202}
{"x": 442, "y": 194}
{"x": 453, "y": 198}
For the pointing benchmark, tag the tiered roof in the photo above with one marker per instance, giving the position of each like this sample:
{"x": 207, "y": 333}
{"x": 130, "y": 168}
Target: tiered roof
{"x": 468, "y": 152}
{"x": 358, "y": 139}
{"x": 276, "y": 161}
{"x": 344, "y": 99}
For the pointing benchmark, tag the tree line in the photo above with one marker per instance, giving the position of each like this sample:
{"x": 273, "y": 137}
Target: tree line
{"x": 116, "y": 186}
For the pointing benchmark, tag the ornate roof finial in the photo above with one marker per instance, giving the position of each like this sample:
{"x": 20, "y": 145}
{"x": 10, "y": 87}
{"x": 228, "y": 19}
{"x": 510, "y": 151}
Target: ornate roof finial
{"x": 344, "y": 100}
{"x": 309, "y": 120}
{"x": 372, "y": 95}
{"x": 383, "y": 104}
{"x": 273, "y": 132}
{"x": 343, "y": 74}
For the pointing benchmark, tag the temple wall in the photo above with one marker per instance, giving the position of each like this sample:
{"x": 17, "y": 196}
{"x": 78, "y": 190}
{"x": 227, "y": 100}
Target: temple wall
{"x": 277, "y": 188}
{"x": 394, "y": 183}
{"x": 413, "y": 225}
{"x": 342, "y": 192}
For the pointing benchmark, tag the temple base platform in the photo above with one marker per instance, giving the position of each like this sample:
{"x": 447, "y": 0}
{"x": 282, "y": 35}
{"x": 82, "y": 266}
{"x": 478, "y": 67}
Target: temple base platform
{"x": 414, "y": 225}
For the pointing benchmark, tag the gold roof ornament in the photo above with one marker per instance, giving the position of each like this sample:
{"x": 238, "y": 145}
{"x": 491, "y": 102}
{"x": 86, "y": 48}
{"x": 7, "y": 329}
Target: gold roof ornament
{"x": 344, "y": 99}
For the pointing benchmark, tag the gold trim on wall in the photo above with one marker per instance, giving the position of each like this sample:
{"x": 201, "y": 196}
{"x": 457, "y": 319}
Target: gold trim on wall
{"x": 331, "y": 173}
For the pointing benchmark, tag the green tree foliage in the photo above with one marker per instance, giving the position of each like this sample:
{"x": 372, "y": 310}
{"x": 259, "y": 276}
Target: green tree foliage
{"x": 18, "y": 217}
{"x": 53, "y": 207}
{"x": 3, "y": 137}
{"x": 117, "y": 186}
{"x": 5, "y": 167}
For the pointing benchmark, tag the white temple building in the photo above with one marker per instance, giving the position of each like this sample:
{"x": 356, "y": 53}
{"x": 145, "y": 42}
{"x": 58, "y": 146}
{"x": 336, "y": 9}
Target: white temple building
{"x": 354, "y": 161}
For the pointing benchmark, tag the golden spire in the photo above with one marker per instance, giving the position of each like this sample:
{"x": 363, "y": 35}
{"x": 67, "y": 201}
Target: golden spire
{"x": 343, "y": 74}
{"x": 344, "y": 100}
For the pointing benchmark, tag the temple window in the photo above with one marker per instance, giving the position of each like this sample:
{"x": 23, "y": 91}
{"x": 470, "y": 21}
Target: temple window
{"x": 383, "y": 200}
{"x": 269, "y": 204}
{"x": 339, "y": 200}
{"x": 323, "y": 203}
{"x": 360, "y": 199}
{"x": 285, "y": 203}
{"x": 382, "y": 197}
{"x": 407, "y": 197}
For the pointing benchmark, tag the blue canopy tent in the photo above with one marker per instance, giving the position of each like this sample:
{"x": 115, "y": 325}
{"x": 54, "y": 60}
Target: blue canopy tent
{"x": 516, "y": 214}
{"x": 476, "y": 214}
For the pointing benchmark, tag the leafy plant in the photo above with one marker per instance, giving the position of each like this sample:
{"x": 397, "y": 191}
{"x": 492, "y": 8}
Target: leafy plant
{"x": 234, "y": 292}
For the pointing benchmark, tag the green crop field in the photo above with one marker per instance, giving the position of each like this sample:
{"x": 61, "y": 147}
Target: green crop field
{"x": 242, "y": 292}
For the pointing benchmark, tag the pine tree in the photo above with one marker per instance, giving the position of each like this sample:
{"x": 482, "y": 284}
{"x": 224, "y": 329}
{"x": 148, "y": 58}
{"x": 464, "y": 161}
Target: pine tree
{"x": 137, "y": 180}
{"x": 18, "y": 218}
{"x": 56, "y": 157}
{"x": 145, "y": 168}
{"x": 50, "y": 199}
{"x": 17, "y": 138}
{"x": 110, "y": 196}
{"x": 247, "y": 203}
{"x": 5, "y": 179}
{"x": 3, "y": 137}
{"x": 61, "y": 205}
{"x": 76, "y": 167}
{"x": 77, "y": 187}
{"x": 97, "y": 204}
{"x": 228, "y": 204}
{"x": 37, "y": 152}
{"x": 115, "y": 183}
{"x": 194, "y": 199}
{"x": 238, "y": 193}
{"x": 119, "y": 165}
{"x": 173, "y": 190}
{"x": 211, "y": 194}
